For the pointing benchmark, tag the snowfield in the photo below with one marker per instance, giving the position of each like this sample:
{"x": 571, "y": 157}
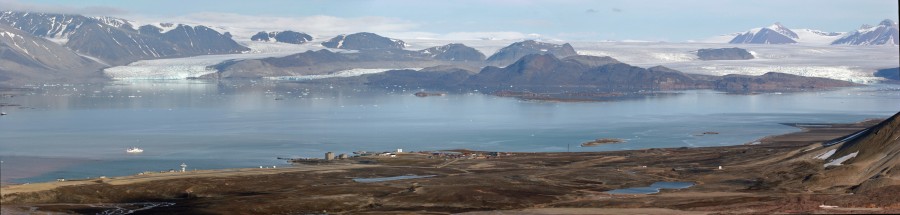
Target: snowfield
{"x": 182, "y": 68}
{"x": 850, "y": 63}
{"x": 343, "y": 74}
{"x": 826, "y": 155}
{"x": 840, "y": 161}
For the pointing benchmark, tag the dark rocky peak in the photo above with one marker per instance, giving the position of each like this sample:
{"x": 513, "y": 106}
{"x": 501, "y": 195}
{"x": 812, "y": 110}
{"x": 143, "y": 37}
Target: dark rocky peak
{"x": 292, "y": 37}
{"x": 363, "y": 41}
{"x": 454, "y": 52}
{"x": 887, "y": 22}
{"x": 261, "y": 36}
{"x": 517, "y": 50}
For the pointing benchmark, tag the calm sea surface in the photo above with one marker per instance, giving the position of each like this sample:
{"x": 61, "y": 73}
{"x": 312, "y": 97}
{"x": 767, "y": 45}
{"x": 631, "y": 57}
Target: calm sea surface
{"x": 82, "y": 131}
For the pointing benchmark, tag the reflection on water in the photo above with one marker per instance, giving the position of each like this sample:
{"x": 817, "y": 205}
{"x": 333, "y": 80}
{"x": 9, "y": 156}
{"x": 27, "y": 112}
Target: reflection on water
{"x": 230, "y": 124}
{"x": 653, "y": 188}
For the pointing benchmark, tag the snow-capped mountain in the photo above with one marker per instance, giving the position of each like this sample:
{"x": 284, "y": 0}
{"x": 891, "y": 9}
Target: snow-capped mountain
{"x": 282, "y": 36}
{"x": 885, "y": 33}
{"x": 517, "y": 50}
{"x": 363, "y": 41}
{"x": 454, "y": 52}
{"x": 117, "y": 42}
{"x": 27, "y": 57}
{"x": 774, "y": 34}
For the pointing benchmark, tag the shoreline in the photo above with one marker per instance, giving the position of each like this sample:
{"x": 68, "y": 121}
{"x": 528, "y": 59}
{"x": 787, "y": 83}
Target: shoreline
{"x": 805, "y": 135}
{"x": 130, "y": 179}
{"x": 51, "y": 160}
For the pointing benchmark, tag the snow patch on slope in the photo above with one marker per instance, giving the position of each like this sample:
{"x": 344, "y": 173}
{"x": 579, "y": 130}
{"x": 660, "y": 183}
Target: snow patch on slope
{"x": 840, "y": 161}
{"x": 826, "y": 155}
{"x": 339, "y": 74}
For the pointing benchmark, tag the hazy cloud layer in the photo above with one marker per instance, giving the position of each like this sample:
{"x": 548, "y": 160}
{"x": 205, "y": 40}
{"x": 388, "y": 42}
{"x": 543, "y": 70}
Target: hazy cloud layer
{"x": 16, "y": 5}
{"x": 243, "y": 26}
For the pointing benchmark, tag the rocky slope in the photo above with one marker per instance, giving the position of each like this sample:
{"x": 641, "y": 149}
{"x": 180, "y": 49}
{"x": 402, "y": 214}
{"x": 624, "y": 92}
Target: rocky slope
{"x": 325, "y": 61}
{"x": 282, "y": 37}
{"x": 861, "y": 162}
{"x": 546, "y": 73}
{"x": 544, "y": 70}
{"x": 117, "y": 41}
{"x": 775, "y": 82}
{"x": 885, "y": 33}
{"x": 364, "y": 41}
{"x": 454, "y": 52}
{"x": 724, "y": 54}
{"x": 515, "y": 51}
{"x": 25, "y": 58}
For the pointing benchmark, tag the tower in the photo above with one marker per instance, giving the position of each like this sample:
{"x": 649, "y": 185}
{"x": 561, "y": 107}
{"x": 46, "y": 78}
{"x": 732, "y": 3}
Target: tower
{"x": 183, "y": 167}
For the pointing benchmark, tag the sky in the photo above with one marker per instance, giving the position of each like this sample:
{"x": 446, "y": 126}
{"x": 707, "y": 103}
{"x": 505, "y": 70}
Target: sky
{"x": 570, "y": 20}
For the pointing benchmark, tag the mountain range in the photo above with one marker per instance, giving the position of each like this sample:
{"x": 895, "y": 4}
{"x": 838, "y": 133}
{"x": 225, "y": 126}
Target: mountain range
{"x": 292, "y": 37}
{"x": 885, "y": 33}
{"x": 81, "y": 46}
{"x": 545, "y": 73}
{"x": 46, "y": 47}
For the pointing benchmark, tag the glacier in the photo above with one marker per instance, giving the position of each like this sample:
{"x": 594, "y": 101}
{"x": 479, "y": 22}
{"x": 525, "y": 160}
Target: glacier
{"x": 192, "y": 67}
{"x": 849, "y": 63}
{"x": 342, "y": 74}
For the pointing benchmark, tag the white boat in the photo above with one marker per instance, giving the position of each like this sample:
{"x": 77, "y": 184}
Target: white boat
{"x": 134, "y": 150}
{"x": 2, "y": 113}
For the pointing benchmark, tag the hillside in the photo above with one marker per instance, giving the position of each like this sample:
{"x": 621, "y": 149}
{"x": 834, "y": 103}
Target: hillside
{"x": 864, "y": 161}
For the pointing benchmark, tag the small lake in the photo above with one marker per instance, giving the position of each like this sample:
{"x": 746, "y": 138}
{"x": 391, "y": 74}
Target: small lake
{"x": 653, "y": 188}
{"x": 81, "y": 131}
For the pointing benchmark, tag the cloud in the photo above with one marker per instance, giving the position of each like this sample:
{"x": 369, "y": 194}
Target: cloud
{"x": 15, "y": 5}
{"x": 247, "y": 25}
{"x": 617, "y": 10}
{"x": 323, "y": 27}
{"x": 590, "y": 11}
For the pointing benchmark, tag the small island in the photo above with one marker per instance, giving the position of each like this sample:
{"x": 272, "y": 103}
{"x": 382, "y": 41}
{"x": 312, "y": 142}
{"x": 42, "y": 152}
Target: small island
{"x": 602, "y": 141}
{"x": 426, "y": 94}
{"x": 707, "y": 133}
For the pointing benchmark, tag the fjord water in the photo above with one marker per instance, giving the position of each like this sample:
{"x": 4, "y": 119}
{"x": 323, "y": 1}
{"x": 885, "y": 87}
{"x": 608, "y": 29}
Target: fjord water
{"x": 79, "y": 131}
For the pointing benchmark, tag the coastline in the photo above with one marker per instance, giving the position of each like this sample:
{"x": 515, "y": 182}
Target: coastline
{"x": 611, "y": 170}
{"x": 131, "y": 179}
